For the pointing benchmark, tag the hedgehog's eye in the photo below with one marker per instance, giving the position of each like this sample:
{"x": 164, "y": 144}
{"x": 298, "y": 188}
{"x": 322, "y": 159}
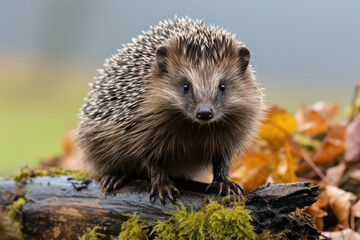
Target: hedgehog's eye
{"x": 222, "y": 87}
{"x": 186, "y": 87}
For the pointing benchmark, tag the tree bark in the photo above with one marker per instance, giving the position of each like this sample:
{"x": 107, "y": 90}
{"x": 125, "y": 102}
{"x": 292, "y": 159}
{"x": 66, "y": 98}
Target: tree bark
{"x": 63, "y": 208}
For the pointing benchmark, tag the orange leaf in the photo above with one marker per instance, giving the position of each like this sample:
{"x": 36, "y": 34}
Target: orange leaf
{"x": 315, "y": 119}
{"x": 252, "y": 170}
{"x": 332, "y": 146}
{"x": 317, "y": 214}
{"x": 328, "y": 151}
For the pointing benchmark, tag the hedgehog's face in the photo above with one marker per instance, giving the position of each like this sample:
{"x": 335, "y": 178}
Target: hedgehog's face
{"x": 208, "y": 91}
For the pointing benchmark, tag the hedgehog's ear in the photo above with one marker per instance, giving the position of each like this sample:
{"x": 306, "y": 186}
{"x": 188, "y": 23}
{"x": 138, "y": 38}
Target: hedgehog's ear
{"x": 244, "y": 58}
{"x": 161, "y": 54}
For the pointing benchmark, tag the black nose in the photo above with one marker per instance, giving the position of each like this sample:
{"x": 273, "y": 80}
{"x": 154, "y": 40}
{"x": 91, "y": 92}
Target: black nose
{"x": 204, "y": 113}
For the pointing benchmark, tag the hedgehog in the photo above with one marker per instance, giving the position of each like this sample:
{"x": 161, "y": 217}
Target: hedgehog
{"x": 181, "y": 98}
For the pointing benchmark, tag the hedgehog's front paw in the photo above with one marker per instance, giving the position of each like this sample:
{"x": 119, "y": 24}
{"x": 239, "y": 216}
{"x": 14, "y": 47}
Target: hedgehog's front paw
{"x": 225, "y": 187}
{"x": 163, "y": 190}
{"x": 112, "y": 182}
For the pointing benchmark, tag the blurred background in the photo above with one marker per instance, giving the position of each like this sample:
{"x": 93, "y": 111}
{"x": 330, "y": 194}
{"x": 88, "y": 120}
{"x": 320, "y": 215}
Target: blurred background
{"x": 304, "y": 51}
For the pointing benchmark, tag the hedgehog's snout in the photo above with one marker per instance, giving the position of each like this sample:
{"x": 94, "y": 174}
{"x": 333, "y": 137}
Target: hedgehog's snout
{"x": 205, "y": 113}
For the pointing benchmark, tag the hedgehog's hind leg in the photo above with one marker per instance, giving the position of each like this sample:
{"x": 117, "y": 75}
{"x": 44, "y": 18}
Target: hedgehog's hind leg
{"x": 111, "y": 182}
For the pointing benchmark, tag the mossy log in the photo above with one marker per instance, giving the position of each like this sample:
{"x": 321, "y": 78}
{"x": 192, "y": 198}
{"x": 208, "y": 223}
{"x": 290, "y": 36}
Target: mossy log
{"x": 63, "y": 207}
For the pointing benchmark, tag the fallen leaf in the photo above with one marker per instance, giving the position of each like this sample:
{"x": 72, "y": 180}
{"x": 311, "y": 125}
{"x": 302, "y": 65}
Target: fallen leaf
{"x": 252, "y": 170}
{"x": 340, "y": 202}
{"x": 332, "y": 146}
{"x": 285, "y": 167}
{"x": 317, "y": 214}
{"x": 277, "y": 127}
{"x": 328, "y": 151}
{"x": 315, "y": 119}
{"x": 346, "y": 234}
{"x": 335, "y": 174}
{"x": 352, "y": 141}
{"x": 328, "y": 110}
{"x": 338, "y": 130}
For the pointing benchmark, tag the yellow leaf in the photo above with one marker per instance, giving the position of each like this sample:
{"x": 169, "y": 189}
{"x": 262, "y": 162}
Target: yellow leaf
{"x": 277, "y": 127}
{"x": 285, "y": 168}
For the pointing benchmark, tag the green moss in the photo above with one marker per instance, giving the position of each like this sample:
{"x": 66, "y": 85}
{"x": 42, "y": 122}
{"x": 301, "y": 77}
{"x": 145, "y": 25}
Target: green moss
{"x": 92, "y": 234}
{"x": 135, "y": 228}
{"x": 309, "y": 144}
{"x": 267, "y": 234}
{"x": 14, "y": 209}
{"x": 27, "y": 173}
{"x": 228, "y": 220}
{"x": 212, "y": 221}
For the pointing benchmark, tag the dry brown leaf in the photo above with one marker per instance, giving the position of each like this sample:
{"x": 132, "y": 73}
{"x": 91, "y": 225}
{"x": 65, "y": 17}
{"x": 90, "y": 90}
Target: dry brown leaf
{"x": 317, "y": 214}
{"x": 338, "y": 130}
{"x": 335, "y": 174}
{"x": 340, "y": 202}
{"x": 346, "y": 234}
{"x": 352, "y": 142}
{"x": 322, "y": 200}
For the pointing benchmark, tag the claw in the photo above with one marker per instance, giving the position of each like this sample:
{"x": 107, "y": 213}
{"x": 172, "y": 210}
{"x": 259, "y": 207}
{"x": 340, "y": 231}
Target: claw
{"x": 163, "y": 191}
{"x": 240, "y": 187}
{"x": 152, "y": 194}
{"x": 112, "y": 182}
{"x": 162, "y": 195}
{"x": 176, "y": 190}
{"x": 226, "y": 187}
{"x": 169, "y": 194}
{"x": 227, "y": 190}
{"x": 109, "y": 186}
{"x": 220, "y": 187}
{"x": 104, "y": 181}
{"x": 119, "y": 183}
